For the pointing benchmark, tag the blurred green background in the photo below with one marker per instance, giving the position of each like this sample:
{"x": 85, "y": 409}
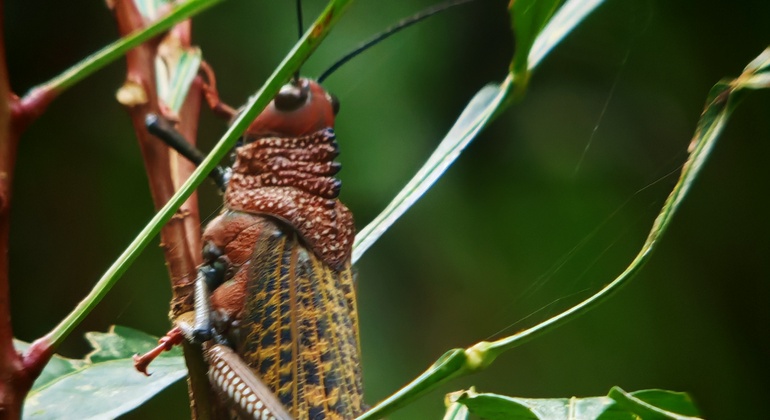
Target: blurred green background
{"x": 547, "y": 205}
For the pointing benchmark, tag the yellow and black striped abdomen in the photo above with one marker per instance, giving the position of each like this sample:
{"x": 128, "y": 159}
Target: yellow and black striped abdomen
{"x": 299, "y": 329}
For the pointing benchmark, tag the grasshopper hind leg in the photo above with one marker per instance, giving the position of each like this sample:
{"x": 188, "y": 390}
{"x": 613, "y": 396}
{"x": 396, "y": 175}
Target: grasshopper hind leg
{"x": 195, "y": 327}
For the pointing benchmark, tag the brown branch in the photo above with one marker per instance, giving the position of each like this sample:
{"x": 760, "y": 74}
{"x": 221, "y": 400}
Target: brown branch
{"x": 10, "y": 361}
{"x": 15, "y": 377}
{"x": 166, "y": 171}
{"x": 180, "y": 238}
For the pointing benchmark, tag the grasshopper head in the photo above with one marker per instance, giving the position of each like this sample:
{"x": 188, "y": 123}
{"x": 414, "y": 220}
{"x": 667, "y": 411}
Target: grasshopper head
{"x": 301, "y": 107}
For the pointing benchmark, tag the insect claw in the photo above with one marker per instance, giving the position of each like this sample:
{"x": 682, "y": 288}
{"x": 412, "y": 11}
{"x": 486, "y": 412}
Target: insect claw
{"x": 141, "y": 363}
{"x": 165, "y": 343}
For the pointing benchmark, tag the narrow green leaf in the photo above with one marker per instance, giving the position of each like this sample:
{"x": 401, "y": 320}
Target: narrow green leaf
{"x": 477, "y": 113}
{"x": 484, "y": 106}
{"x": 456, "y": 411}
{"x": 569, "y": 16}
{"x": 104, "y": 384}
{"x": 114, "y": 51}
{"x": 760, "y": 64}
{"x": 528, "y": 18}
{"x": 720, "y": 103}
{"x": 445, "y": 368}
{"x": 487, "y": 104}
{"x": 757, "y": 73}
{"x": 718, "y": 107}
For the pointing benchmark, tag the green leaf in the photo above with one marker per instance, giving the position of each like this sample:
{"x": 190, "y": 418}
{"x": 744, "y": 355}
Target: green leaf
{"x": 655, "y": 404}
{"x": 500, "y": 407}
{"x": 482, "y": 109}
{"x": 528, "y": 18}
{"x": 479, "y": 111}
{"x": 678, "y": 402}
{"x": 114, "y": 51}
{"x": 569, "y": 16}
{"x": 104, "y": 384}
{"x": 538, "y": 30}
{"x": 721, "y": 101}
{"x": 534, "y": 31}
{"x": 456, "y": 411}
{"x": 758, "y": 72}
{"x": 493, "y": 406}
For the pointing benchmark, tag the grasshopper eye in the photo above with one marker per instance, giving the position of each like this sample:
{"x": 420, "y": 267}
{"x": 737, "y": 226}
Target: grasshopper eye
{"x": 291, "y": 97}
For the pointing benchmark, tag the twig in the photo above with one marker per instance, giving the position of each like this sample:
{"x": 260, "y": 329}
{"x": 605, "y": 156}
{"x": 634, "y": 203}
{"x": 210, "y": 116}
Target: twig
{"x": 16, "y": 378}
{"x": 166, "y": 171}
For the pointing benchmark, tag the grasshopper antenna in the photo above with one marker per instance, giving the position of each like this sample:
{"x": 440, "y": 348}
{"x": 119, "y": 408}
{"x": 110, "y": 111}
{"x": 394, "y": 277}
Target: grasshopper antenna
{"x": 390, "y": 31}
{"x": 301, "y": 30}
{"x": 300, "y": 25}
{"x": 163, "y": 130}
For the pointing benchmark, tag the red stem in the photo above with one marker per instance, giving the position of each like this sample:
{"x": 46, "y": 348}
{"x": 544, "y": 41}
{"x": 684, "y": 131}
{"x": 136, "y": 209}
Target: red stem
{"x": 16, "y": 373}
{"x": 166, "y": 170}
{"x": 10, "y": 361}
{"x": 180, "y": 238}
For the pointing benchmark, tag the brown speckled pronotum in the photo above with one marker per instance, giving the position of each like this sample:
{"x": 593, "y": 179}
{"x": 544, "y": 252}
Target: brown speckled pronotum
{"x": 286, "y": 304}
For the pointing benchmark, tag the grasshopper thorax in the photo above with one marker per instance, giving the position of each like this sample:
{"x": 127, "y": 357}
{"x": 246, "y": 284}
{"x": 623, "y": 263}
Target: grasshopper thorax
{"x": 301, "y": 107}
{"x": 286, "y": 169}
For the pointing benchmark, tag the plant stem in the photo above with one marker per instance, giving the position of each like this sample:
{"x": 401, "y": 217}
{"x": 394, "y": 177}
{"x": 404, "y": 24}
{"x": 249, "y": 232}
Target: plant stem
{"x": 15, "y": 383}
{"x": 37, "y": 99}
{"x": 180, "y": 238}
